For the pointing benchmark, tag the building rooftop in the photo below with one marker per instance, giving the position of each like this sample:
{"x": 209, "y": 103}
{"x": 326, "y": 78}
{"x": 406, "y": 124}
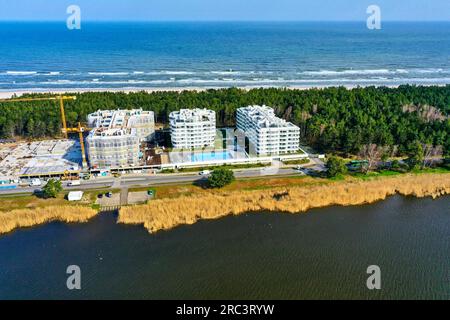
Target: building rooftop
{"x": 119, "y": 118}
{"x": 111, "y": 133}
{"x": 193, "y": 115}
{"x": 265, "y": 117}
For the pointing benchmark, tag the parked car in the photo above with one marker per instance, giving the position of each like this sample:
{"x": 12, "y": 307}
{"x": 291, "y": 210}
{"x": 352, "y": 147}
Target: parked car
{"x": 109, "y": 194}
{"x": 100, "y": 195}
{"x": 205, "y": 172}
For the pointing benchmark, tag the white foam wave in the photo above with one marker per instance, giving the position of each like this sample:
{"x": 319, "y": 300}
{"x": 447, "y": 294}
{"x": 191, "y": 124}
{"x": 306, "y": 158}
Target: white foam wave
{"x": 108, "y": 73}
{"x": 170, "y": 73}
{"x": 226, "y": 73}
{"x": 430, "y": 70}
{"x": 352, "y": 72}
{"x": 239, "y": 82}
{"x": 20, "y": 73}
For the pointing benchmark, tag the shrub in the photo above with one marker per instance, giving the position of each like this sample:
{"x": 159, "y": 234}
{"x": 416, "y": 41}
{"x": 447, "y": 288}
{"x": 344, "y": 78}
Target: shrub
{"x": 335, "y": 166}
{"x": 52, "y": 188}
{"x": 219, "y": 178}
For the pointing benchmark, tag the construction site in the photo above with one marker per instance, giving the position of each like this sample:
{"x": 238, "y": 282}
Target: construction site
{"x": 47, "y": 158}
{"x": 115, "y": 142}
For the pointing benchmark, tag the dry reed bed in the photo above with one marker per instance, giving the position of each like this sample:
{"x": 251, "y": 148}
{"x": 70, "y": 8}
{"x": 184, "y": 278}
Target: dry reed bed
{"x": 30, "y": 217}
{"x": 165, "y": 214}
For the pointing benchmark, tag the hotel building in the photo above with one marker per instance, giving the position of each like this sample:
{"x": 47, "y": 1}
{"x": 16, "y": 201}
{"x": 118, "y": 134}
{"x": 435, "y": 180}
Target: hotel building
{"x": 116, "y": 137}
{"x": 113, "y": 148}
{"x": 267, "y": 134}
{"x": 194, "y": 128}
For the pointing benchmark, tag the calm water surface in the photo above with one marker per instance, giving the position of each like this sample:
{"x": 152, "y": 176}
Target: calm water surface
{"x": 322, "y": 254}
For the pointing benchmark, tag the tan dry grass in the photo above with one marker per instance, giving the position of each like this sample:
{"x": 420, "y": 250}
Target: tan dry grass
{"x": 30, "y": 217}
{"x": 165, "y": 214}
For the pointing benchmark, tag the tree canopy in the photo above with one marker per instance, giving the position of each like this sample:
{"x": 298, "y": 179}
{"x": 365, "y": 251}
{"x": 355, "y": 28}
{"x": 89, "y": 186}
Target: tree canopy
{"x": 52, "y": 188}
{"x": 331, "y": 119}
{"x": 335, "y": 166}
{"x": 219, "y": 178}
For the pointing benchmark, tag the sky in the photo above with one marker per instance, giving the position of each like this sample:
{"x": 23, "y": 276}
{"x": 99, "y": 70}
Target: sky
{"x": 226, "y": 10}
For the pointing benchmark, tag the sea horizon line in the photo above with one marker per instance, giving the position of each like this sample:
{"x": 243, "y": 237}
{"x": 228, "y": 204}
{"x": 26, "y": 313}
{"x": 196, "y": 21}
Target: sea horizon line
{"x": 220, "y": 21}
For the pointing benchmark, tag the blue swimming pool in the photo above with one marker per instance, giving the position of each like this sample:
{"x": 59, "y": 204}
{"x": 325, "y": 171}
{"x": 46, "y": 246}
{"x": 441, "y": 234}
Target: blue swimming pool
{"x": 211, "y": 156}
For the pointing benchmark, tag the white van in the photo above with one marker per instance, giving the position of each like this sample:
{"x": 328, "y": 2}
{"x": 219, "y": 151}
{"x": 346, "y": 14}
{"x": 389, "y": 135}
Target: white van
{"x": 74, "y": 183}
{"x": 75, "y": 195}
{"x": 35, "y": 182}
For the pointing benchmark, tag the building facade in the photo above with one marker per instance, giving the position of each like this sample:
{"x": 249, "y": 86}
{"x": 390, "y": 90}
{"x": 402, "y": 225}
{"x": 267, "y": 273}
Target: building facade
{"x": 142, "y": 121}
{"x": 113, "y": 148}
{"x": 194, "y": 128}
{"x": 116, "y": 137}
{"x": 267, "y": 134}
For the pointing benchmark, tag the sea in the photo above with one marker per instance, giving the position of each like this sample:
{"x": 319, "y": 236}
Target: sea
{"x": 326, "y": 253}
{"x": 131, "y": 55}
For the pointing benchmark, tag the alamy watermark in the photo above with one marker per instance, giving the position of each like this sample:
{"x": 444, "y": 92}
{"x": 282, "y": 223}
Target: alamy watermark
{"x": 374, "y": 20}
{"x": 74, "y": 280}
{"x": 374, "y": 280}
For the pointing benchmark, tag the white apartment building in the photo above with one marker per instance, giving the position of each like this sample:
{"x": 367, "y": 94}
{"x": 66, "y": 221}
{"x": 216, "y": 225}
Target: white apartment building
{"x": 194, "y": 128}
{"x": 267, "y": 134}
{"x": 142, "y": 121}
{"x": 113, "y": 148}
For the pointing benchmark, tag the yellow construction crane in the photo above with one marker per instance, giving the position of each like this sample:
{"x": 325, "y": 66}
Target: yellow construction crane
{"x": 80, "y": 131}
{"x": 64, "y": 129}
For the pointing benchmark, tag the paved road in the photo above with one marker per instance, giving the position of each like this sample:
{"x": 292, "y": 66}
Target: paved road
{"x": 160, "y": 179}
{"x": 124, "y": 196}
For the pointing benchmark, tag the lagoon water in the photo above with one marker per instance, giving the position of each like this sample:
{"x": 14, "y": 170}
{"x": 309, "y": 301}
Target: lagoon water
{"x": 321, "y": 254}
{"x": 210, "y": 54}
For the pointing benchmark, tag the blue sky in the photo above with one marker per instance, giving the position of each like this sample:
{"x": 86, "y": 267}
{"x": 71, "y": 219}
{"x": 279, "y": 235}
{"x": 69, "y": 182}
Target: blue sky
{"x": 273, "y": 10}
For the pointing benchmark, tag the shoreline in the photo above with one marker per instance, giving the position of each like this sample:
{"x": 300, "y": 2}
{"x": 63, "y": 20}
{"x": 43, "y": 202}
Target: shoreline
{"x": 7, "y": 94}
{"x": 25, "y": 218}
{"x": 167, "y": 213}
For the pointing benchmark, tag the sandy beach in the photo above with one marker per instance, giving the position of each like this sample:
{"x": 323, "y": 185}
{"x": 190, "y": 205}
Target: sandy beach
{"x": 18, "y": 93}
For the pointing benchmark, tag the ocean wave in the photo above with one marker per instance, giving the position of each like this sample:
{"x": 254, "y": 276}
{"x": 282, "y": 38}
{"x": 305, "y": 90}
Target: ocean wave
{"x": 226, "y": 82}
{"x": 96, "y": 82}
{"x": 431, "y": 70}
{"x": 241, "y": 73}
{"x": 226, "y": 74}
{"x": 354, "y": 72}
{"x": 303, "y": 81}
{"x": 170, "y": 73}
{"x": 108, "y": 73}
{"x": 52, "y": 73}
{"x": 20, "y": 73}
